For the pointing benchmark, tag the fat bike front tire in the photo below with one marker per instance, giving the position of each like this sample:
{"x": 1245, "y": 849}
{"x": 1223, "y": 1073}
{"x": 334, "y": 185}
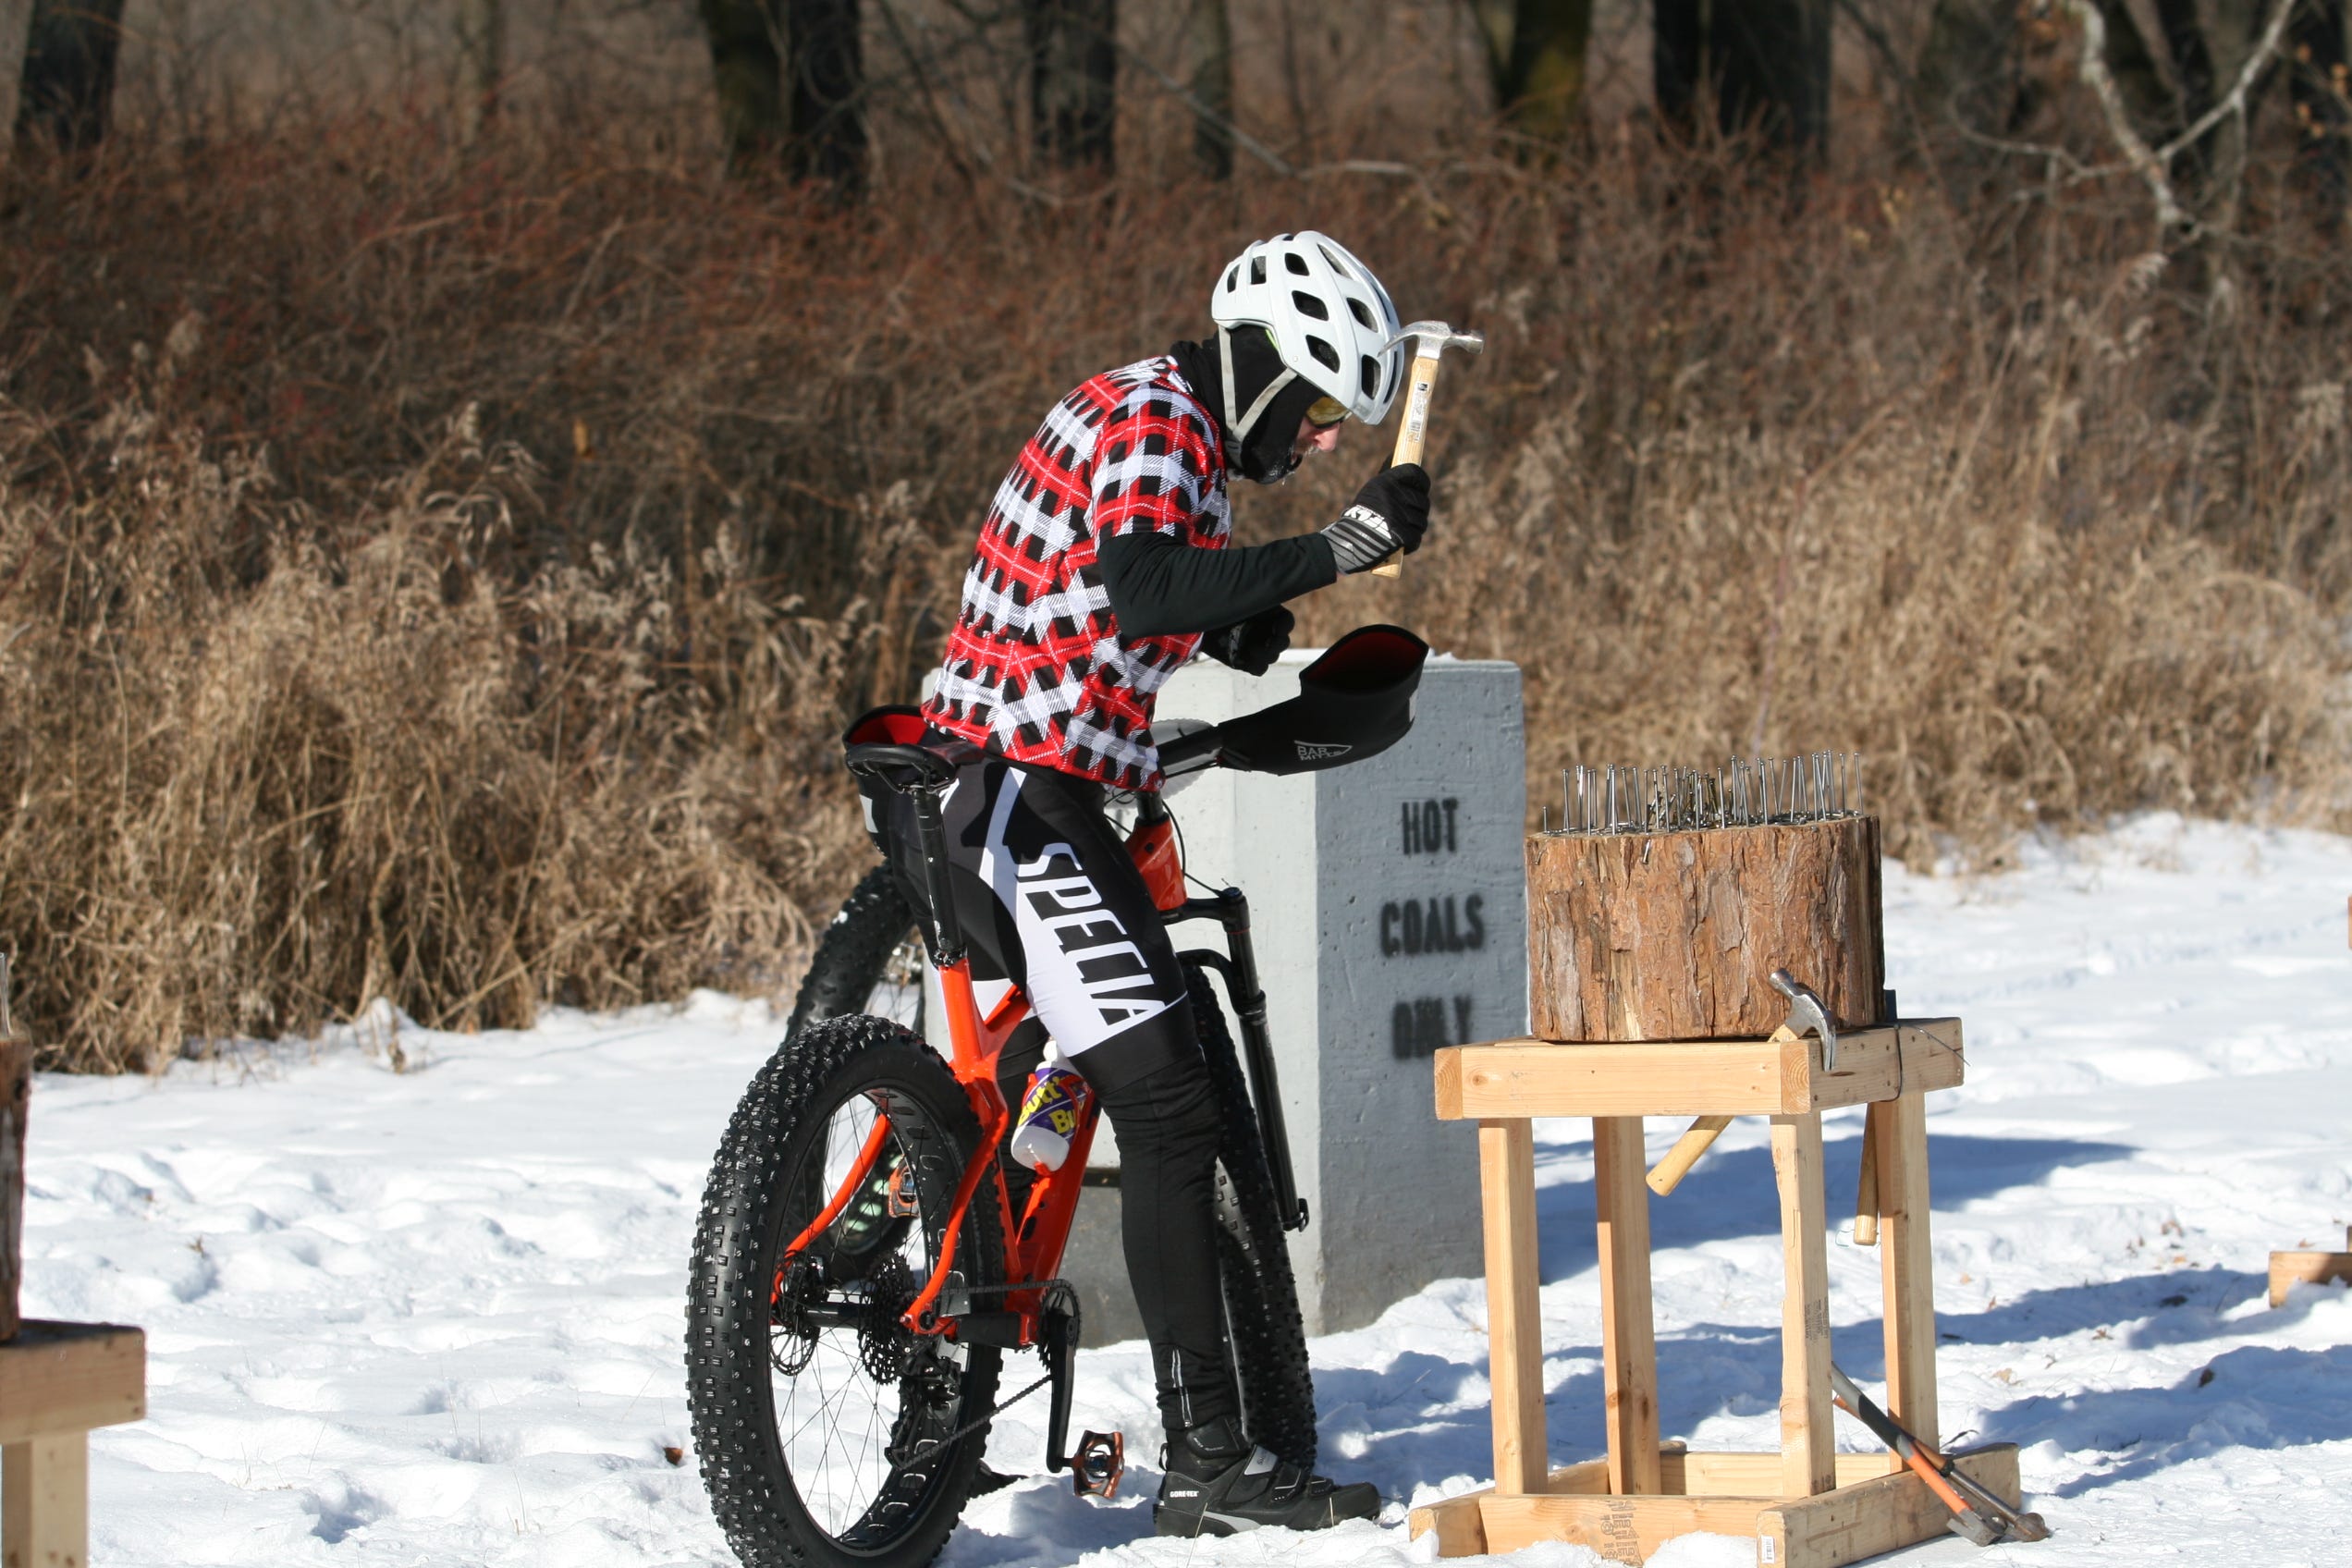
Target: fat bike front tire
{"x": 820, "y": 1423}
{"x": 1262, "y": 1318}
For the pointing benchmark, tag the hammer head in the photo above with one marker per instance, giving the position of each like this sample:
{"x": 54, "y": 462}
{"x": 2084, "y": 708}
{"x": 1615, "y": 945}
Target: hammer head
{"x": 1806, "y": 1013}
{"x": 1432, "y": 338}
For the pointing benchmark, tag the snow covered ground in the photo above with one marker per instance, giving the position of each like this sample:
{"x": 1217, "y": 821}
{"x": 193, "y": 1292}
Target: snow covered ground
{"x": 433, "y": 1316}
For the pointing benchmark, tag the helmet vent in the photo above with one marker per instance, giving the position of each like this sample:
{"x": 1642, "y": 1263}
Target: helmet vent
{"x": 1371, "y": 376}
{"x": 1362, "y": 312}
{"x": 1233, "y": 278}
{"x": 1324, "y": 355}
{"x": 1257, "y": 270}
{"x": 1336, "y": 266}
{"x": 1296, "y": 262}
{"x": 1308, "y": 305}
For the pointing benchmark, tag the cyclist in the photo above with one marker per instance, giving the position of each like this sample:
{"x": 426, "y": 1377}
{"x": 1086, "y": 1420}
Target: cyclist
{"x": 1105, "y": 563}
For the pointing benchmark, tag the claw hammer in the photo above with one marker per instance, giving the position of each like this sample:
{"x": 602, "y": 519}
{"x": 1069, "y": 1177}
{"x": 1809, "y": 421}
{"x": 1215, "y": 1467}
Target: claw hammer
{"x": 1805, "y": 1016}
{"x": 1430, "y": 341}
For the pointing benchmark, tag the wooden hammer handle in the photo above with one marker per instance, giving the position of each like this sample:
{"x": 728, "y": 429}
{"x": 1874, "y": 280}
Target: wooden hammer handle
{"x": 1412, "y": 433}
{"x": 1668, "y": 1173}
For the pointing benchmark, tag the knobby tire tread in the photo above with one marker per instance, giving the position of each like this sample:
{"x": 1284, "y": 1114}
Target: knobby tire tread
{"x": 850, "y": 957}
{"x": 733, "y": 1267}
{"x": 1261, "y": 1292}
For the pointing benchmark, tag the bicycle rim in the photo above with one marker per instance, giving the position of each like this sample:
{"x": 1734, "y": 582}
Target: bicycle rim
{"x": 859, "y": 1402}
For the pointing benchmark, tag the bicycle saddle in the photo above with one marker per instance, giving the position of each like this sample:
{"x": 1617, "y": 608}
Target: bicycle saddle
{"x": 885, "y": 747}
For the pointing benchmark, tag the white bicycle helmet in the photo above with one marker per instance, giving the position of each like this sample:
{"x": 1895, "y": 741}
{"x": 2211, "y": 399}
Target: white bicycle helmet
{"x": 1330, "y": 320}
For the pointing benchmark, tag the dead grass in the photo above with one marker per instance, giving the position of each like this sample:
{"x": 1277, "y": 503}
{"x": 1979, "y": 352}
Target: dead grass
{"x": 442, "y": 579}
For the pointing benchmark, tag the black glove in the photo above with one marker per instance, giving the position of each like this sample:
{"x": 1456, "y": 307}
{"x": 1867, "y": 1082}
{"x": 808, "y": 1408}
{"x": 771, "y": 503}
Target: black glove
{"x": 1252, "y": 645}
{"x": 1391, "y": 513}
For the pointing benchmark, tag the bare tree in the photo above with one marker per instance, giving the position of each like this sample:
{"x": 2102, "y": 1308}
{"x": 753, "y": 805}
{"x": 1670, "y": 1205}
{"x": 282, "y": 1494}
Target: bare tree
{"x": 1210, "y": 43}
{"x": 66, "y": 89}
{"x": 1535, "y": 58}
{"x": 481, "y": 63}
{"x": 814, "y": 120}
{"x": 1765, "y": 63}
{"x": 1074, "y": 64}
{"x": 2320, "y": 83}
{"x": 16, "y": 23}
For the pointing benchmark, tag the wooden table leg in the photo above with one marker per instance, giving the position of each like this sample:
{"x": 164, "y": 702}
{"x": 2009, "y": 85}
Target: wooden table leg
{"x": 44, "y": 1502}
{"x": 1808, "y": 1444}
{"x": 1514, "y": 1316}
{"x": 1628, "y": 1332}
{"x": 1906, "y": 1262}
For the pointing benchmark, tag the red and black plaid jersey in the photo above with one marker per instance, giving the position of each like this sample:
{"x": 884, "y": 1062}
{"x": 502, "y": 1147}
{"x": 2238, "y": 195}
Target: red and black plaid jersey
{"x": 1037, "y": 670}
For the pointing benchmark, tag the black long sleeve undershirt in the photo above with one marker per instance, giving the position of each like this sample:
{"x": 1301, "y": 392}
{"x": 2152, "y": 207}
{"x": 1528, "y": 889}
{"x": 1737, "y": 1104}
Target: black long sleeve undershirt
{"x": 1160, "y": 587}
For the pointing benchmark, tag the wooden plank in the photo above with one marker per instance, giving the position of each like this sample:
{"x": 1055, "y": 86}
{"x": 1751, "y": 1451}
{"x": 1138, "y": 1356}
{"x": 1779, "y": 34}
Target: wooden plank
{"x": 1456, "y": 1520}
{"x": 1756, "y": 1475}
{"x": 1866, "y": 1189}
{"x": 1461, "y": 1530}
{"x": 1622, "y": 1530}
{"x": 1515, "y": 1318}
{"x": 1925, "y": 1054}
{"x": 69, "y": 1377}
{"x": 1906, "y": 1263}
{"x": 1772, "y": 1077}
{"x": 2289, "y": 1268}
{"x": 1809, "y": 1445}
{"x": 1540, "y": 1078}
{"x": 1628, "y": 1332}
{"x": 45, "y": 1502}
{"x": 1871, "y": 1517}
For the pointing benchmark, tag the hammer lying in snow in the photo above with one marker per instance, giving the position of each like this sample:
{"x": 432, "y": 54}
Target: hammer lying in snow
{"x": 1430, "y": 341}
{"x": 1806, "y": 1015}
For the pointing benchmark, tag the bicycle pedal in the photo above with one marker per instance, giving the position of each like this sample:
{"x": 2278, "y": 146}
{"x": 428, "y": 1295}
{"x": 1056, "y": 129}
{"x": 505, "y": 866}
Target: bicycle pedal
{"x": 1098, "y": 1464}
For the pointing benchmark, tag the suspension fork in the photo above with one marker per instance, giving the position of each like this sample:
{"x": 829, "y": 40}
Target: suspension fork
{"x": 1229, "y": 909}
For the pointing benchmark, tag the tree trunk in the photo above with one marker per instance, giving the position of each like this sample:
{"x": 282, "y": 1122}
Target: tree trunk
{"x": 16, "y": 25}
{"x": 2319, "y": 53}
{"x": 481, "y": 64}
{"x": 1675, "y": 936}
{"x": 1540, "y": 76}
{"x": 1210, "y": 43}
{"x": 829, "y": 93}
{"x": 16, "y": 1081}
{"x": 1764, "y": 62}
{"x": 67, "y": 88}
{"x": 816, "y": 128}
{"x": 746, "y": 45}
{"x": 1073, "y": 65}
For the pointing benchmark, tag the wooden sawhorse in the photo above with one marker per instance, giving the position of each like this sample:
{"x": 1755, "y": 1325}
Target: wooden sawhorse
{"x": 1807, "y": 1506}
{"x": 57, "y": 1380}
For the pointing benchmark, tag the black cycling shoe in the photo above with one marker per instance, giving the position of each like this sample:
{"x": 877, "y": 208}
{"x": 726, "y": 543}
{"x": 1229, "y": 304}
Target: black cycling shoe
{"x": 1219, "y": 1484}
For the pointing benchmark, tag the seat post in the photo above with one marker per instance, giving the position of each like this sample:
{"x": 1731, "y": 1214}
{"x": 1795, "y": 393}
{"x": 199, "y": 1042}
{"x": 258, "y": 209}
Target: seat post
{"x": 931, "y": 831}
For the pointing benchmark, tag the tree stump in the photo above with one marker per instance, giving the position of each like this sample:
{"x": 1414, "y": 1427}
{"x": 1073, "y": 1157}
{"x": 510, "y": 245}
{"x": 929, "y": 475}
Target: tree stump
{"x": 1675, "y": 936}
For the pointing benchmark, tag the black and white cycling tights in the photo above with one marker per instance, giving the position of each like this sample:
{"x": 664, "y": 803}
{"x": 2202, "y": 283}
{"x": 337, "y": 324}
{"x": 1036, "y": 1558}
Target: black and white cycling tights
{"x": 1049, "y": 900}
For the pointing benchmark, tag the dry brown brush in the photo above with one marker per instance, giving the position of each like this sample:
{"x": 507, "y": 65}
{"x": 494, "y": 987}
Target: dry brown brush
{"x": 441, "y": 578}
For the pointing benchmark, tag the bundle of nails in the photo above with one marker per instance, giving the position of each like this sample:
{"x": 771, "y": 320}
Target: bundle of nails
{"x": 1744, "y": 792}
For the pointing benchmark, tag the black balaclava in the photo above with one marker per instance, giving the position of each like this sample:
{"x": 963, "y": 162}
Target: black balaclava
{"x": 1264, "y": 453}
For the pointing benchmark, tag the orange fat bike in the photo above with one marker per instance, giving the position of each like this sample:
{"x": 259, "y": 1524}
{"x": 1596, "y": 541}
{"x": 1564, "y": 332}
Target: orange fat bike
{"x": 860, "y": 1270}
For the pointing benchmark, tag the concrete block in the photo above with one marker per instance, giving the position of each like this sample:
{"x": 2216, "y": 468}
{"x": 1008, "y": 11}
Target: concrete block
{"x": 1387, "y": 900}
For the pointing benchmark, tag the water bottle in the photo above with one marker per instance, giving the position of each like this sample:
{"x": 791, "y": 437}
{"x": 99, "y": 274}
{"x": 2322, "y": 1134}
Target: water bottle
{"x": 1049, "y": 1114}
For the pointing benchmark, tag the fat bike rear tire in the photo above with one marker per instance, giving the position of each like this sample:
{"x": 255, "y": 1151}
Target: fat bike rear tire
{"x": 870, "y": 960}
{"x": 1254, "y": 1259}
{"x": 808, "y": 1400}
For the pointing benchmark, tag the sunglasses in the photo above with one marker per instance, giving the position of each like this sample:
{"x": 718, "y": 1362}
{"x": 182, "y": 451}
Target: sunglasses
{"x": 1326, "y": 412}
